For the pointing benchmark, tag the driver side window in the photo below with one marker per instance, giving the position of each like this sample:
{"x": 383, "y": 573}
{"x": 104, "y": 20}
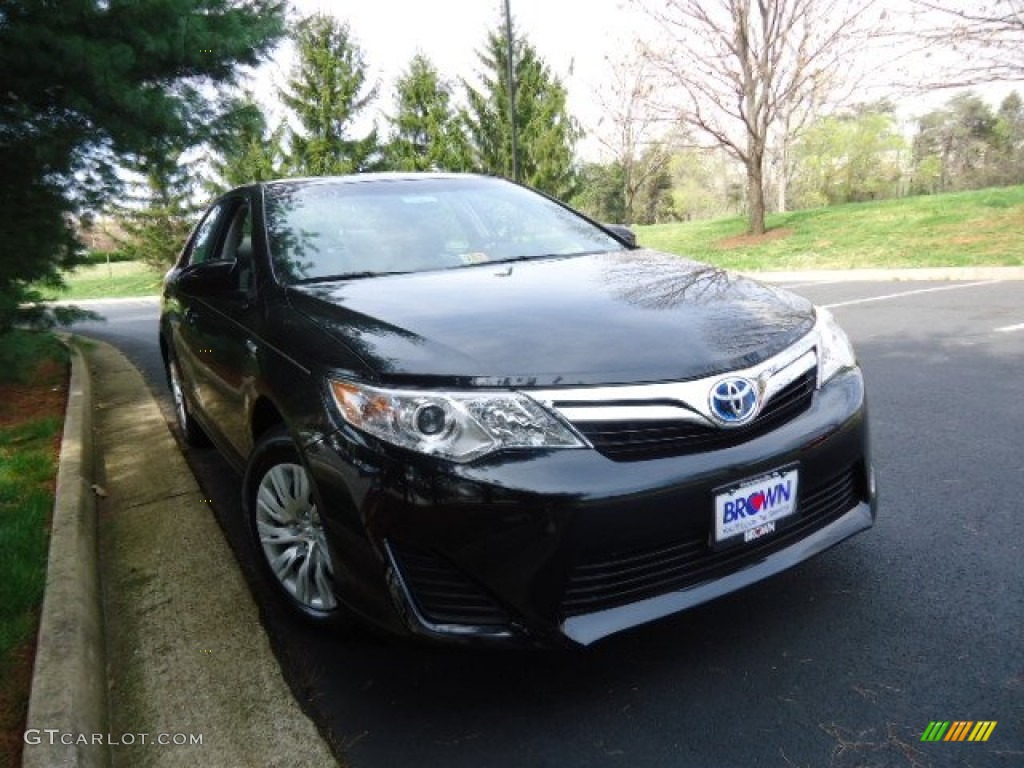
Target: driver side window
{"x": 204, "y": 245}
{"x": 225, "y": 237}
{"x": 237, "y": 246}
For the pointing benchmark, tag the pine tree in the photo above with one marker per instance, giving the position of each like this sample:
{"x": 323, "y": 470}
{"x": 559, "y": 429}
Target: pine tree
{"x": 326, "y": 93}
{"x": 85, "y": 86}
{"x": 249, "y": 151}
{"x": 426, "y": 131}
{"x": 158, "y": 229}
{"x": 600, "y": 192}
{"x": 547, "y": 134}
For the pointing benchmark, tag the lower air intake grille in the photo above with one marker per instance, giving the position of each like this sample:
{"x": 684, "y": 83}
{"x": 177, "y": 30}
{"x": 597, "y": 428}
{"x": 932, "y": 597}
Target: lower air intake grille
{"x": 625, "y": 577}
{"x": 443, "y": 594}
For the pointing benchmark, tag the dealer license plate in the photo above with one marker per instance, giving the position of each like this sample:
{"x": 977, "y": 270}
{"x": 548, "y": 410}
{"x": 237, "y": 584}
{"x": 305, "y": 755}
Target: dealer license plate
{"x": 753, "y": 508}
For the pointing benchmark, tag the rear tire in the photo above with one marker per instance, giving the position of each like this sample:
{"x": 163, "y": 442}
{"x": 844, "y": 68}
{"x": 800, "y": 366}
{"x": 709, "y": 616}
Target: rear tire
{"x": 286, "y": 533}
{"x": 190, "y": 430}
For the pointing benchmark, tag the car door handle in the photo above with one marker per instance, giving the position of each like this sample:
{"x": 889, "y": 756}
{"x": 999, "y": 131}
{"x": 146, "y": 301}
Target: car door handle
{"x": 251, "y": 346}
{"x": 189, "y": 315}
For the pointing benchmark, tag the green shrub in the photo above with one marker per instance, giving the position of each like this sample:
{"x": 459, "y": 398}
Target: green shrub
{"x": 102, "y": 257}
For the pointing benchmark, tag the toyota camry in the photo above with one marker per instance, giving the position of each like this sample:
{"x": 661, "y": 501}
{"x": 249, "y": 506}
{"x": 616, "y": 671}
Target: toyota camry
{"x": 464, "y": 411}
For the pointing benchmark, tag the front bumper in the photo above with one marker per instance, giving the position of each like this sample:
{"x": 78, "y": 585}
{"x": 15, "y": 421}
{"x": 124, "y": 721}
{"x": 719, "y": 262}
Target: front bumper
{"x": 568, "y": 546}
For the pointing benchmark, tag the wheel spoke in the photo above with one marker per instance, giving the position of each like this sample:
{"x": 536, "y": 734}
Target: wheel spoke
{"x": 268, "y": 502}
{"x": 279, "y": 534}
{"x": 282, "y": 564}
{"x": 302, "y": 582}
{"x": 325, "y": 557}
{"x": 279, "y": 480}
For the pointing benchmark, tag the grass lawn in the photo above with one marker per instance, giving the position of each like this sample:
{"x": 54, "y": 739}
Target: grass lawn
{"x": 98, "y": 281}
{"x": 964, "y": 229}
{"x": 33, "y": 390}
{"x": 956, "y": 230}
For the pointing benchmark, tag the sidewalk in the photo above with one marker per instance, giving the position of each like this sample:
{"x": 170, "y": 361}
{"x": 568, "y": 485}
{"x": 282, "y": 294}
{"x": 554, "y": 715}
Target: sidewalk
{"x": 186, "y": 655}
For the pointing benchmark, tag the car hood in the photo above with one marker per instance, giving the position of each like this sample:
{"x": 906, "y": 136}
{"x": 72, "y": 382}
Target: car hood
{"x": 624, "y": 317}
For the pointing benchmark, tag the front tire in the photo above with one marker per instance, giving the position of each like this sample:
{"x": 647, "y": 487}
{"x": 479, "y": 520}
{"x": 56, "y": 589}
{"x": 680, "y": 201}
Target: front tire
{"x": 286, "y": 531}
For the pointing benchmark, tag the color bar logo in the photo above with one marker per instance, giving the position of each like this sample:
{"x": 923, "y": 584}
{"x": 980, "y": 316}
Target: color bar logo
{"x": 958, "y": 730}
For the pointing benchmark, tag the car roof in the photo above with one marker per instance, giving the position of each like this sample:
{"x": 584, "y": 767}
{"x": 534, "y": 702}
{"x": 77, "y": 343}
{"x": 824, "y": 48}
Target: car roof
{"x": 357, "y": 178}
{"x": 362, "y": 178}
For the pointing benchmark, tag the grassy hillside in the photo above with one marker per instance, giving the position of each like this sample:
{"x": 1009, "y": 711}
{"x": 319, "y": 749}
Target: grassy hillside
{"x": 964, "y": 229}
{"x": 985, "y": 227}
{"x": 96, "y": 281}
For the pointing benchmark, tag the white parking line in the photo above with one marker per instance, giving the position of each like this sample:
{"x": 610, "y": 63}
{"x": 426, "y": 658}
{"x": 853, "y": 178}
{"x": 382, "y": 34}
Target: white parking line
{"x": 907, "y": 293}
{"x": 1009, "y": 328}
{"x": 791, "y": 286}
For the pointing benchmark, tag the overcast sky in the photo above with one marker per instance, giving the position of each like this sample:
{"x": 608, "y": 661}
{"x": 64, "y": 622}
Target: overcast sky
{"x": 574, "y": 37}
{"x": 449, "y": 31}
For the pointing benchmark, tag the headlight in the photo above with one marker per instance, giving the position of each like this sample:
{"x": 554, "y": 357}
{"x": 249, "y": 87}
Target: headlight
{"x": 460, "y": 426}
{"x": 835, "y": 353}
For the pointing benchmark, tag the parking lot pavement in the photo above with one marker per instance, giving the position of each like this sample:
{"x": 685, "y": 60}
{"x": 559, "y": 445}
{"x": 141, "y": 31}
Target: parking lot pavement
{"x": 951, "y": 315}
{"x": 842, "y": 661}
{"x": 854, "y": 294}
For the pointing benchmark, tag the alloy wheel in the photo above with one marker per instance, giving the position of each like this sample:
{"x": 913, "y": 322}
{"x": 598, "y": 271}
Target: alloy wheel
{"x": 292, "y": 536}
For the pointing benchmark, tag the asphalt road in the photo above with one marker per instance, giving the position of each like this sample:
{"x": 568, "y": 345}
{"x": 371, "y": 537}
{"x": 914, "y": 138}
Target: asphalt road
{"x": 842, "y": 661}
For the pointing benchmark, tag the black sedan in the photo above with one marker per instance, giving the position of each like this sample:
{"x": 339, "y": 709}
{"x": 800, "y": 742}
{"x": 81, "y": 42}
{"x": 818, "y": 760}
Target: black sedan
{"x": 466, "y": 412}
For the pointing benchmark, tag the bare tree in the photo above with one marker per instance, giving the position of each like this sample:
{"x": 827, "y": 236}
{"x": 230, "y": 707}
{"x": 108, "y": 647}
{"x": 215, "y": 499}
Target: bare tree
{"x": 793, "y": 117}
{"x": 632, "y": 129}
{"x": 986, "y": 36}
{"x": 744, "y": 70}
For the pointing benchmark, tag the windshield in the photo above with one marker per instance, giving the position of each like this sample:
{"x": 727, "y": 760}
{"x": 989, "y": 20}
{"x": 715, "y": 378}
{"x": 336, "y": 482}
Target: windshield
{"x": 328, "y": 229}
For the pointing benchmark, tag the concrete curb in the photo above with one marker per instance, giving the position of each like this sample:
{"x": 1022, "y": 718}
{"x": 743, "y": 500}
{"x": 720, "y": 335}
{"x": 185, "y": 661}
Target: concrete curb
{"x": 69, "y": 678}
{"x": 881, "y": 275}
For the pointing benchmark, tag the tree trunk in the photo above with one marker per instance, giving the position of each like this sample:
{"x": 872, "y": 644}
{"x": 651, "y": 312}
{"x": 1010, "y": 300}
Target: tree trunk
{"x": 628, "y": 191}
{"x": 755, "y": 193}
{"x": 783, "y": 179}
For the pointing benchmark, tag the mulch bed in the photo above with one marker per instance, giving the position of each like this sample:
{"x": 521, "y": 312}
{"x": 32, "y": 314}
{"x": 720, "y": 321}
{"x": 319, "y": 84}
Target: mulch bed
{"x": 44, "y": 395}
{"x": 745, "y": 241}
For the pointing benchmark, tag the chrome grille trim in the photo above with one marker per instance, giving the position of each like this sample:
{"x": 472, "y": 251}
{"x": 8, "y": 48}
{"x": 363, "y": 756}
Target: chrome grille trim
{"x": 683, "y": 401}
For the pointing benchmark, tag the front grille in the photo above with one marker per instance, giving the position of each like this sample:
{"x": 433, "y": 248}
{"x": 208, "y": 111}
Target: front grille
{"x": 443, "y": 594}
{"x": 625, "y": 577}
{"x": 640, "y": 440}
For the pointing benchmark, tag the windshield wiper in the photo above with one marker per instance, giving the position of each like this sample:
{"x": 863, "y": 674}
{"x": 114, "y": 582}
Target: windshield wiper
{"x": 512, "y": 259}
{"x": 345, "y": 276}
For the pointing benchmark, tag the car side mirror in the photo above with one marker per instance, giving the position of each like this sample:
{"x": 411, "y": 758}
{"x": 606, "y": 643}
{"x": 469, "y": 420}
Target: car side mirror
{"x": 623, "y": 233}
{"x": 212, "y": 278}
